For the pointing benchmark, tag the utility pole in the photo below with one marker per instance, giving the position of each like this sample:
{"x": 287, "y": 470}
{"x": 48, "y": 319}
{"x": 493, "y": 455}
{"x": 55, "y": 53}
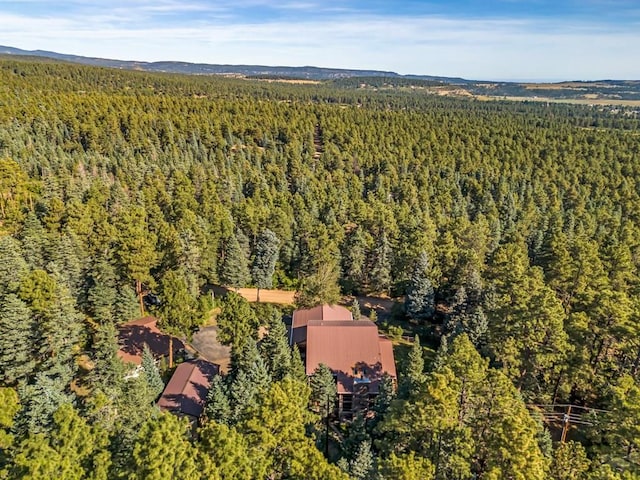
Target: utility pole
{"x": 170, "y": 351}
{"x": 139, "y": 292}
{"x": 565, "y": 424}
{"x": 326, "y": 431}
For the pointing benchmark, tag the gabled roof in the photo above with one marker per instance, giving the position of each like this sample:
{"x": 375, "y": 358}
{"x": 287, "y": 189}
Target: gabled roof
{"x": 353, "y": 350}
{"x": 187, "y": 390}
{"x": 327, "y": 313}
{"x": 133, "y": 335}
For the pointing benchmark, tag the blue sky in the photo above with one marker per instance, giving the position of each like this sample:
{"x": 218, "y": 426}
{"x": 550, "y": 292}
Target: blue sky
{"x": 491, "y": 39}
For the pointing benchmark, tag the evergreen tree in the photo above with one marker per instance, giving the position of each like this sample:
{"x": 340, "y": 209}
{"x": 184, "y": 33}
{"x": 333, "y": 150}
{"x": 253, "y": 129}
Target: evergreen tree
{"x": 151, "y": 373}
{"x": 138, "y": 402}
{"x": 189, "y": 261}
{"x": 34, "y": 241}
{"x": 68, "y": 260}
{"x": 60, "y": 332}
{"x": 103, "y": 292}
{"x": 320, "y": 288}
{"x": 11, "y": 406}
{"x": 135, "y": 244}
{"x": 467, "y": 420}
{"x": 570, "y": 462}
{"x": 343, "y": 465}
{"x": 237, "y": 322}
{"x": 529, "y": 209}
{"x": 526, "y": 320}
{"x": 354, "y": 261}
{"x": 82, "y": 448}
{"x": 126, "y": 306}
{"x": 467, "y": 316}
{"x": 13, "y": 266}
{"x": 162, "y": 450}
{"x": 17, "y": 340}
{"x": 17, "y": 193}
{"x": 37, "y": 290}
{"x": 356, "y": 435}
{"x": 386, "y": 394}
{"x": 298, "y": 371}
{"x": 250, "y": 361}
{"x": 230, "y": 452}
{"x": 414, "y": 376}
{"x": 36, "y": 459}
{"x": 276, "y": 429}
{"x": 324, "y": 392}
{"x": 420, "y": 303}
{"x": 235, "y": 270}
{"x": 355, "y": 309}
{"x": 623, "y": 431}
{"x": 476, "y": 326}
{"x": 362, "y": 467}
{"x": 407, "y": 467}
{"x": 264, "y": 260}
{"x": 181, "y": 312}
{"x": 275, "y": 350}
{"x": 108, "y": 372}
{"x": 380, "y": 269}
{"x": 250, "y": 379}
{"x": 218, "y": 409}
{"x": 243, "y": 395}
{"x": 40, "y": 400}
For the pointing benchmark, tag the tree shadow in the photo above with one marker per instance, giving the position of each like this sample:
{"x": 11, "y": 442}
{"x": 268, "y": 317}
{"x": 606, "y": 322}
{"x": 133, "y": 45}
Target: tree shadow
{"x": 132, "y": 339}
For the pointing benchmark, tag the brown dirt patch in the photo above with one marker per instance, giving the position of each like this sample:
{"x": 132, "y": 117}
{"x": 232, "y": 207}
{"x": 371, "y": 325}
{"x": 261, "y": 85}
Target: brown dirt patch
{"x": 381, "y": 305}
{"x": 283, "y": 297}
{"x": 206, "y": 343}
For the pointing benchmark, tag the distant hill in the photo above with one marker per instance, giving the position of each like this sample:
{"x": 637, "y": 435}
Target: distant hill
{"x": 309, "y": 73}
{"x": 601, "y": 92}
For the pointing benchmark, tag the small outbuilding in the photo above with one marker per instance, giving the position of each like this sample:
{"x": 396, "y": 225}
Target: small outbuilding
{"x": 186, "y": 392}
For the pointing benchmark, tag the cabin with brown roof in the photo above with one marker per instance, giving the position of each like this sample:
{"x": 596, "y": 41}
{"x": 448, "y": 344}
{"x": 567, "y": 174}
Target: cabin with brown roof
{"x": 355, "y": 352}
{"x": 132, "y": 337}
{"x": 186, "y": 392}
{"x": 301, "y": 317}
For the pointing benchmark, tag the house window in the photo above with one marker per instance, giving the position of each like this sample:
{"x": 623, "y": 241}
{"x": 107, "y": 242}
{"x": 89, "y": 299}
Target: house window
{"x": 347, "y": 403}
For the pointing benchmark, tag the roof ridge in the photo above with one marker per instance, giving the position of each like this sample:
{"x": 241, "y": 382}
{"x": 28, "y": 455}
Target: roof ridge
{"x": 193, "y": 366}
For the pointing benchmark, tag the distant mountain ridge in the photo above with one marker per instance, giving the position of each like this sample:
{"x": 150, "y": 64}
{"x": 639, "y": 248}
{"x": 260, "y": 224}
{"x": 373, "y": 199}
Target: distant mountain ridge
{"x": 600, "y": 92}
{"x": 307, "y": 72}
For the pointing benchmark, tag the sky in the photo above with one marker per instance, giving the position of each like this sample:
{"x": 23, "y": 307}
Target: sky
{"x": 533, "y": 40}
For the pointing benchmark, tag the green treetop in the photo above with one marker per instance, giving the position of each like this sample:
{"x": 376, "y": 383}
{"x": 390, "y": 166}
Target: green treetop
{"x": 237, "y": 322}
{"x": 265, "y": 257}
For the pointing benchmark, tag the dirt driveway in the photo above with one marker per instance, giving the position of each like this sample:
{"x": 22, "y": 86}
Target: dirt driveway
{"x": 382, "y": 305}
{"x": 283, "y": 297}
{"x": 205, "y": 341}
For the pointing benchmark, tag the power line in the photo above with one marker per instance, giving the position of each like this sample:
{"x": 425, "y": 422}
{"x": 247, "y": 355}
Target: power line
{"x": 568, "y": 414}
{"x": 565, "y": 405}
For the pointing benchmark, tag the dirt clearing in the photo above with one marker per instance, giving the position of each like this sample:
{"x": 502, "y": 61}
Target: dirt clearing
{"x": 284, "y": 297}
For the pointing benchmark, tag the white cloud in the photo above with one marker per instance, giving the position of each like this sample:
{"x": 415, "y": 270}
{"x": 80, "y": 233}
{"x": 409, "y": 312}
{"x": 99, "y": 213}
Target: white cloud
{"x": 472, "y": 48}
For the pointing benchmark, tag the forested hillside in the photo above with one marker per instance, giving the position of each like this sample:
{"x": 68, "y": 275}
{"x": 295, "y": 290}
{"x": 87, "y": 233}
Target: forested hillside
{"x": 513, "y": 228}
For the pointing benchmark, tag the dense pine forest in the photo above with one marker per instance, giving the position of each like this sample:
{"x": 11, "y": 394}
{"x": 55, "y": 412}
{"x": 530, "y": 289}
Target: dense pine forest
{"x": 508, "y": 232}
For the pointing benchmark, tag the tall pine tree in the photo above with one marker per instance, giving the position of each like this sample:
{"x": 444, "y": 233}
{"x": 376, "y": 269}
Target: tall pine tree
{"x": 420, "y": 300}
{"x": 17, "y": 340}
{"x": 235, "y": 269}
{"x": 275, "y": 350}
{"x": 265, "y": 257}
